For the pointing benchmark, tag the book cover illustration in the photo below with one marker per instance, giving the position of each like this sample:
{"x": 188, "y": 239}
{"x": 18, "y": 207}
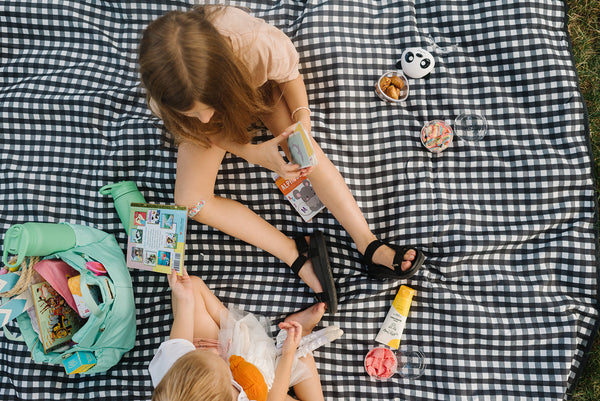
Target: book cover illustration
{"x": 156, "y": 237}
{"x": 301, "y": 149}
{"x": 301, "y": 195}
{"x": 57, "y": 321}
{"x": 57, "y": 273}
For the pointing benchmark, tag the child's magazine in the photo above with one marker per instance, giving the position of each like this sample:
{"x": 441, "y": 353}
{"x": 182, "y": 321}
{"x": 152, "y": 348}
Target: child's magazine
{"x": 301, "y": 195}
{"x": 156, "y": 237}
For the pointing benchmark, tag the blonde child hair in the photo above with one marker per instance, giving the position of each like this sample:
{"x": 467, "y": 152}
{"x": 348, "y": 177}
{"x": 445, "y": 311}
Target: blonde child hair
{"x": 196, "y": 376}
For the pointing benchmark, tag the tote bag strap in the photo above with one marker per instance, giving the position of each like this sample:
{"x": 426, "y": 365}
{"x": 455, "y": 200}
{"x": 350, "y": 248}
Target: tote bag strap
{"x": 107, "y": 290}
{"x": 11, "y": 336}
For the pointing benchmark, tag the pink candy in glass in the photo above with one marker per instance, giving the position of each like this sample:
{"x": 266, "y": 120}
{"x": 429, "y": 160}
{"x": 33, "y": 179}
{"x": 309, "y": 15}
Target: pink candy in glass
{"x": 381, "y": 363}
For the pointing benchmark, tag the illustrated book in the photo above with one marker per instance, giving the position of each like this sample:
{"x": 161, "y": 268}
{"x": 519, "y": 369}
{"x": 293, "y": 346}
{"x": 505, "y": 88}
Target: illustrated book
{"x": 301, "y": 149}
{"x": 57, "y": 321}
{"x": 156, "y": 237}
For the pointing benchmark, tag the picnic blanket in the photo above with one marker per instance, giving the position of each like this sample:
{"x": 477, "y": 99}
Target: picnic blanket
{"x": 506, "y": 302}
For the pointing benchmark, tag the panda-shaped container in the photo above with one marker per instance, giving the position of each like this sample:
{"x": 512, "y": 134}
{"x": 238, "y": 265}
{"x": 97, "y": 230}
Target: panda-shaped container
{"x": 416, "y": 62}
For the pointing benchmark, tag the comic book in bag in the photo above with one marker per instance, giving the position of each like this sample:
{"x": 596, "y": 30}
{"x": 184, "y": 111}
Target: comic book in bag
{"x": 57, "y": 321}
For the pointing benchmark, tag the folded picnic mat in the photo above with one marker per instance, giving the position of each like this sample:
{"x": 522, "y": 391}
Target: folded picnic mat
{"x": 506, "y": 302}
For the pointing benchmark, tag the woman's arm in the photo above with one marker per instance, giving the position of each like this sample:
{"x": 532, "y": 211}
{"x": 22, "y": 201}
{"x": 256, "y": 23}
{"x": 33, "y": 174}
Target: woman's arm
{"x": 294, "y": 93}
{"x": 265, "y": 154}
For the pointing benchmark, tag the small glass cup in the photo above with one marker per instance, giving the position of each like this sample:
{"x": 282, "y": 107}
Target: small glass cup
{"x": 470, "y": 127}
{"x": 412, "y": 363}
{"x": 436, "y": 136}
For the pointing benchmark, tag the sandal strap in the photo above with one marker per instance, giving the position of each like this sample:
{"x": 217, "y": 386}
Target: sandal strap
{"x": 301, "y": 244}
{"x": 399, "y": 256}
{"x": 323, "y": 297}
{"x": 371, "y": 248}
{"x": 302, "y": 247}
{"x": 298, "y": 263}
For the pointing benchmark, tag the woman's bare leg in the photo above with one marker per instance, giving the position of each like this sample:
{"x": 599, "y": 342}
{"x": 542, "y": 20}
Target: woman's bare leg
{"x": 197, "y": 170}
{"x": 330, "y": 187}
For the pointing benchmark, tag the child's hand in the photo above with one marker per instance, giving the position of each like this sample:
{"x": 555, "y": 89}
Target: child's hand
{"x": 294, "y": 335}
{"x": 181, "y": 286}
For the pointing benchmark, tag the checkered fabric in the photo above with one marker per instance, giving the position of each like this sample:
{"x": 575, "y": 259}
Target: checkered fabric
{"x": 506, "y": 302}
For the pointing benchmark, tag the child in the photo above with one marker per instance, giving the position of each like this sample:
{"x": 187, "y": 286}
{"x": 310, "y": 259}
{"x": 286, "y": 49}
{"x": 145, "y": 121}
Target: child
{"x": 188, "y": 366}
{"x": 210, "y": 73}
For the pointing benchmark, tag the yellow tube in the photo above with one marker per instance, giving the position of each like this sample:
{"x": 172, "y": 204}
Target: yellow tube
{"x": 395, "y": 321}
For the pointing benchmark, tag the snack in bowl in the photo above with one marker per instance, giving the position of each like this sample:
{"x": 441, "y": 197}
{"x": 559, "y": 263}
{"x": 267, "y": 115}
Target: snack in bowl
{"x": 397, "y": 82}
{"x": 436, "y": 136}
{"x": 393, "y": 92}
{"x": 392, "y": 87}
{"x": 381, "y": 363}
{"x": 384, "y": 82}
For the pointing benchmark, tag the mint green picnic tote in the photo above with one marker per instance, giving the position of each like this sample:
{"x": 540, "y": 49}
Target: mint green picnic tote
{"x": 111, "y": 327}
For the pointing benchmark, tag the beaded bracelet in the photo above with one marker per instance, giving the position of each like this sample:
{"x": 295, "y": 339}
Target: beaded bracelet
{"x": 298, "y": 109}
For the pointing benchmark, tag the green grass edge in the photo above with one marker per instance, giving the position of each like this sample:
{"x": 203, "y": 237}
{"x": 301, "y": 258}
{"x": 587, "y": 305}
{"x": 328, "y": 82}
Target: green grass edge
{"x": 584, "y": 30}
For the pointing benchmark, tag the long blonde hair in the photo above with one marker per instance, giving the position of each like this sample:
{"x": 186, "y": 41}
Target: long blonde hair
{"x": 184, "y": 59}
{"x": 196, "y": 376}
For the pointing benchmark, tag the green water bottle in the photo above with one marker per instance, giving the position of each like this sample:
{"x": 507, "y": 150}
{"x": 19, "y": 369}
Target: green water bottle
{"x": 35, "y": 239}
{"x": 124, "y": 193}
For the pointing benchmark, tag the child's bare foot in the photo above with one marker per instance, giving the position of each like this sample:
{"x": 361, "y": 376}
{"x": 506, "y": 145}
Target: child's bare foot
{"x": 308, "y": 318}
{"x": 384, "y": 255}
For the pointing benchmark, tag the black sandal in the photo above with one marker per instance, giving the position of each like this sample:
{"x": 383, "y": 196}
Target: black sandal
{"x": 317, "y": 252}
{"x": 382, "y": 272}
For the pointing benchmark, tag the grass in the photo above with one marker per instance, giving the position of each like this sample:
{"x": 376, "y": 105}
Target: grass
{"x": 584, "y": 28}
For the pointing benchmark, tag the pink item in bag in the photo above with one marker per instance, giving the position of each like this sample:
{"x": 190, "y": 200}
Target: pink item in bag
{"x": 96, "y": 267}
{"x": 57, "y": 274}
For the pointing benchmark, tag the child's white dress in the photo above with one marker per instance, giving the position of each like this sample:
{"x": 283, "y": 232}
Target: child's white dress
{"x": 245, "y": 335}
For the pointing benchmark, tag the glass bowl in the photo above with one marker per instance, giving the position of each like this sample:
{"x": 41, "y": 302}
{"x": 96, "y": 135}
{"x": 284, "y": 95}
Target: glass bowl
{"x": 383, "y": 84}
{"x": 470, "y": 127}
{"x": 381, "y": 363}
{"x": 436, "y": 136}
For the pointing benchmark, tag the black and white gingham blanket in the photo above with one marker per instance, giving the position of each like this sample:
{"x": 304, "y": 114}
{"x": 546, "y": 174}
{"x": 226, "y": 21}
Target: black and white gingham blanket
{"x": 506, "y": 301}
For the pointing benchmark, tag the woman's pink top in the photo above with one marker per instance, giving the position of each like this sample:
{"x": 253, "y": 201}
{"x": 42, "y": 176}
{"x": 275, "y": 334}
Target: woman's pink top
{"x": 267, "y": 52}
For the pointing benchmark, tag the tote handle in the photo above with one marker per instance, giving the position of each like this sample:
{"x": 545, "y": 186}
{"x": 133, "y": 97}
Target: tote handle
{"x": 106, "y": 289}
{"x": 11, "y": 336}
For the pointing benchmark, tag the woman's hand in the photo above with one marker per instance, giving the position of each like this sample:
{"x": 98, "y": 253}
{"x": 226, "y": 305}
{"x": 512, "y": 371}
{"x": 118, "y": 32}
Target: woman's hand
{"x": 294, "y": 335}
{"x": 181, "y": 286}
{"x": 267, "y": 154}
